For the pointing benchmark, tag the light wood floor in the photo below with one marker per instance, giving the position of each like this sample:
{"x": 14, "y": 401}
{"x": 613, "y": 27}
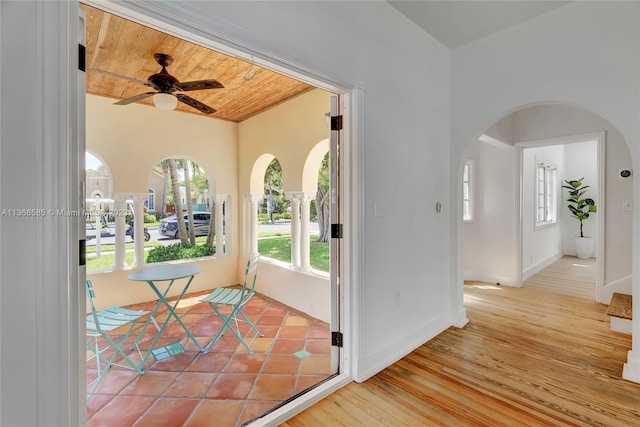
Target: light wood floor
{"x": 569, "y": 275}
{"x": 527, "y": 358}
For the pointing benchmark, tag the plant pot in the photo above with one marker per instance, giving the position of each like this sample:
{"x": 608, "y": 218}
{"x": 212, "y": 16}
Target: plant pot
{"x": 584, "y": 247}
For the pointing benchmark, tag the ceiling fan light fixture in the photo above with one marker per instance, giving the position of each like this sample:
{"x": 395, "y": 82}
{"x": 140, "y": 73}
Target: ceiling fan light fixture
{"x": 165, "y": 101}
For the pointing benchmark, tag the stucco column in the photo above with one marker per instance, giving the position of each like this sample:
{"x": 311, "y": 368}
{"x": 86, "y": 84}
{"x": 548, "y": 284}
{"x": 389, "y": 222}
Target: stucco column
{"x": 295, "y": 229}
{"x": 138, "y": 230}
{"x": 304, "y": 245}
{"x": 220, "y": 200}
{"x": 119, "y": 209}
{"x": 253, "y": 222}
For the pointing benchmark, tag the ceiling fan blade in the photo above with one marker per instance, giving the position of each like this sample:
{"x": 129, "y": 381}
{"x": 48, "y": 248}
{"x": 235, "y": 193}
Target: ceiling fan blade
{"x": 120, "y": 76}
{"x": 199, "y": 85}
{"x": 135, "y": 98}
{"x": 195, "y": 104}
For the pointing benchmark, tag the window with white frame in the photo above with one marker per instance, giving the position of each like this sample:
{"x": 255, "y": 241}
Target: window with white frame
{"x": 467, "y": 190}
{"x": 150, "y": 203}
{"x": 545, "y": 193}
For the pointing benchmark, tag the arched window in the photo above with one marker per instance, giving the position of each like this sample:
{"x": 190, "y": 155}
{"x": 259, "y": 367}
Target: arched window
{"x": 150, "y": 203}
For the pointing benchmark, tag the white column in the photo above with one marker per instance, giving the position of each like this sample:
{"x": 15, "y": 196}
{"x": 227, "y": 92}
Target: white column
{"x": 304, "y": 240}
{"x": 253, "y": 222}
{"x": 295, "y": 229}
{"x": 98, "y": 226}
{"x": 120, "y": 207}
{"x": 220, "y": 200}
{"x": 138, "y": 230}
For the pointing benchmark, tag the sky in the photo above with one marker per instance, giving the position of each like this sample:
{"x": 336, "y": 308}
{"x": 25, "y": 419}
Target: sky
{"x": 91, "y": 161}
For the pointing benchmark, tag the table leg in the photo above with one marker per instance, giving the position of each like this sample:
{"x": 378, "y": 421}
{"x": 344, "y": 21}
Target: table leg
{"x": 171, "y": 312}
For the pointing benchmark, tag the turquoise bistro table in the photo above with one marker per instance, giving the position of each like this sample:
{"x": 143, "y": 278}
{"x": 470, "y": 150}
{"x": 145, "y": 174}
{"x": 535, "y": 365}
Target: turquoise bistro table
{"x": 165, "y": 277}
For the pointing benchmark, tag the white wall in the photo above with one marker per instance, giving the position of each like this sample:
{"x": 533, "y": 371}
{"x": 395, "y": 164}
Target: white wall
{"x": 489, "y": 246}
{"x": 132, "y": 139}
{"x": 582, "y": 161}
{"x": 586, "y": 55}
{"x": 289, "y": 132}
{"x": 309, "y": 292}
{"x": 540, "y": 245}
{"x": 402, "y": 295}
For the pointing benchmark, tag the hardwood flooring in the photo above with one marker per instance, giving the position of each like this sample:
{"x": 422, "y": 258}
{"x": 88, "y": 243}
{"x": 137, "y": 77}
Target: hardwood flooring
{"x": 569, "y": 275}
{"x": 528, "y": 357}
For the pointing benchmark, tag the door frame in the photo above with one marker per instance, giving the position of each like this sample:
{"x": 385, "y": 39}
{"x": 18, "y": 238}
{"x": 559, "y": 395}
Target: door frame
{"x": 351, "y": 99}
{"x": 600, "y": 138}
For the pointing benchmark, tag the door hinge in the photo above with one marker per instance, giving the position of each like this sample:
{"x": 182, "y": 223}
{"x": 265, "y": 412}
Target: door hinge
{"x": 336, "y": 339}
{"x": 336, "y": 122}
{"x": 82, "y": 252}
{"x": 82, "y": 57}
{"x": 336, "y": 231}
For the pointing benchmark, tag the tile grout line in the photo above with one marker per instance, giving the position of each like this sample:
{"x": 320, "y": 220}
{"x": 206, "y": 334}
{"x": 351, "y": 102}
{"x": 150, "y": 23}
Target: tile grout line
{"x": 263, "y": 309}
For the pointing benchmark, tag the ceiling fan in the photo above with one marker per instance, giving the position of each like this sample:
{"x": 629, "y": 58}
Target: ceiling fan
{"x": 165, "y": 85}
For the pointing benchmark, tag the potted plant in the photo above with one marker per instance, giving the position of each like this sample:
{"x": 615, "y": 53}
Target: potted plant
{"x": 580, "y": 207}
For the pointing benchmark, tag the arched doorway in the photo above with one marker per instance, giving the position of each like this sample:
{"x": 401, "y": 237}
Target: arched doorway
{"x": 500, "y": 229}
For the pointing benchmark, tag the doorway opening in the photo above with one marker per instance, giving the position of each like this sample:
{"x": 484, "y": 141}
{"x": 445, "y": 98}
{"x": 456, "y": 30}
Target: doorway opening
{"x": 550, "y": 258}
{"x": 315, "y": 355}
{"x": 495, "y": 240}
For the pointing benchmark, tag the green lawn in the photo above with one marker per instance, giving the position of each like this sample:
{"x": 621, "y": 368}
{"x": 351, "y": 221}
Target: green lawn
{"x": 106, "y": 261}
{"x": 280, "y": 248}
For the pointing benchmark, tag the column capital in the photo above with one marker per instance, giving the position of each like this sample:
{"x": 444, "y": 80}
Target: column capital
{"x": 299, "y": 196}
{"x": 254, "y": 199}
{"x": 120, "y": 198}
{"x": 220, "y": 198}
{"x": 138, "y": 197}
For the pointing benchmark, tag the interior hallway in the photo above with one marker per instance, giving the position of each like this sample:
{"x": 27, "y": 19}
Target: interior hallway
{"x": 527, "y": 357}
{"x": 568, "y": 276}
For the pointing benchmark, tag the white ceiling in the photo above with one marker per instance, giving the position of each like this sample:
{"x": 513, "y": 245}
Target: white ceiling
{"x": 455, "y": 23}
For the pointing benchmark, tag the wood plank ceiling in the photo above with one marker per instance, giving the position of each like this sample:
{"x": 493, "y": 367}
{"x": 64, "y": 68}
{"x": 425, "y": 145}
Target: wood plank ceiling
{"x": 126, "y": 48}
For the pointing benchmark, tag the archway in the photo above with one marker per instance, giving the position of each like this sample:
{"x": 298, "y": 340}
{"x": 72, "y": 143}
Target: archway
{"x": 498, "y": 229}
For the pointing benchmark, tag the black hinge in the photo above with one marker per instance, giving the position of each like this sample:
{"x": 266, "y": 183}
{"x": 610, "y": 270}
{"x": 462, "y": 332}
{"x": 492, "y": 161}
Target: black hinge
{"x": 82, "y": 55}
{"x": 82, "y": 252}
{"x": 336, "y": 122}
{"x": 336, "y": 231}
{"x": 336, "y": 339}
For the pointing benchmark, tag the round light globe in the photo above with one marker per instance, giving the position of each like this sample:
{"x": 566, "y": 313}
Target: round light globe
{"x": 165, "y": 101}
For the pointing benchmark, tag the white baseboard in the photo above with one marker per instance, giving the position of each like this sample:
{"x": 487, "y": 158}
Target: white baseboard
{"x": 482, "y": 277}
{"x": 399, "y": 348}
{"x": 459, "y": 318}
{"x": 538, "y": 267}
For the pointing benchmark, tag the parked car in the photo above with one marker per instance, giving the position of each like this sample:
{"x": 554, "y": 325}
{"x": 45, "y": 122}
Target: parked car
{"x": 169, "y": 225}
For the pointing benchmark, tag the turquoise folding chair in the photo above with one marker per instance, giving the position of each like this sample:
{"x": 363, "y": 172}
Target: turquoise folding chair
{"x": 99, "y": 324}
{"x": 236, "y": 299}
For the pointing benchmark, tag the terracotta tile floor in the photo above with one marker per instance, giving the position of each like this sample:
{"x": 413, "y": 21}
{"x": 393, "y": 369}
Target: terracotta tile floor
{"x": 225, "y": 387}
